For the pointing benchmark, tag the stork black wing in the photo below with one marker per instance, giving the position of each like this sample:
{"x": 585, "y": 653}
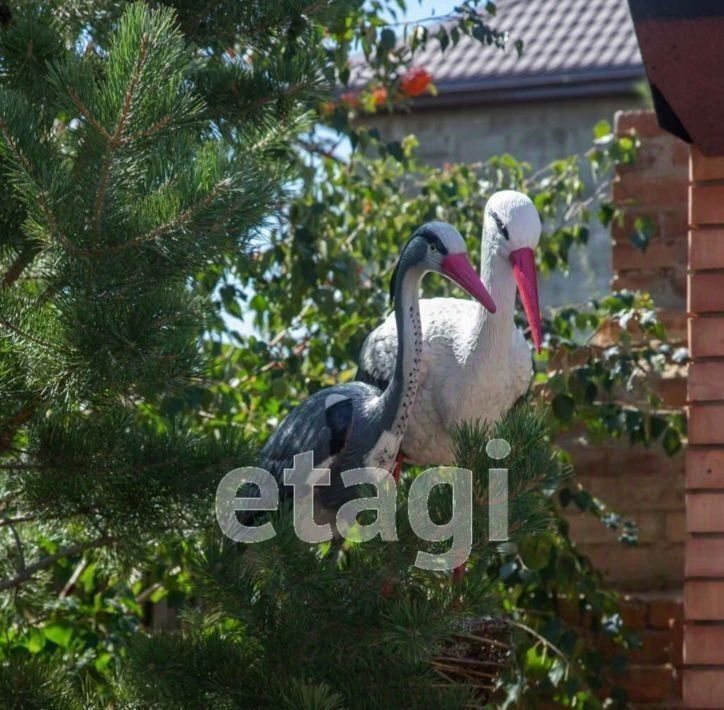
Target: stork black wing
{"x": 338, "y": 417}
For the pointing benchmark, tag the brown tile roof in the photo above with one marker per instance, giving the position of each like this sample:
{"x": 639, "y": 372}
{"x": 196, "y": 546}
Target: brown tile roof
{"x": 570, "y": 46}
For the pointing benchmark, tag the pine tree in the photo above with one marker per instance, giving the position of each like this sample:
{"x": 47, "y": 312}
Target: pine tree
{"x": 118, "y": 194}
{"x": 127, "y": 173}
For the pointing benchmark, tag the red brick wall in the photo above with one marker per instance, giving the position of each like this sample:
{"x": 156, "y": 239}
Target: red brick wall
{"x": 704, "y": 584}
{"x": 651, "y": 678}
{"x": 659, "y": 187}
{"x": 644, "y": 484}
{"x": 655, "y": 186}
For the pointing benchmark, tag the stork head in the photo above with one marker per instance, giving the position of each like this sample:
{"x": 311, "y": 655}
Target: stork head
{"x": 512, "y": 228}
{"x": 438, "y": 246}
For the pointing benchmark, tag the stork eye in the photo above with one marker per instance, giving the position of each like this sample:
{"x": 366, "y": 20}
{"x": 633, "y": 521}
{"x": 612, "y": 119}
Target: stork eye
{"x": 499, "y": 223}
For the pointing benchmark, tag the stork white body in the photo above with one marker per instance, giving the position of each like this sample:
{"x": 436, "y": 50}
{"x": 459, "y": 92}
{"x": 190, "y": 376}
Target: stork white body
{"x": 461, "y": 377}
{"x": 475, "y": 364}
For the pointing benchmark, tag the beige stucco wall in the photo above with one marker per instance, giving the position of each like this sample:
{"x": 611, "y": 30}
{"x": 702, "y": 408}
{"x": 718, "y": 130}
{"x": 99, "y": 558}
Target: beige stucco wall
{"x": 537, "y": 132}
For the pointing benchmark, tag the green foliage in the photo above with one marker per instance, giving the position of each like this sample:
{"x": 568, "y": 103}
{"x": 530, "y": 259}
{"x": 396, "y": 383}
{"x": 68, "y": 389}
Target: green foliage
{"x": 643, "y": 231}
{"x": 543, "y": 572}
{"x": 608, "y": 387}
{"x": 119, "y": 189}
{"x": 34, "y": 683}
{"x": 107, "y": 320}
{"x": 556, "y": 661}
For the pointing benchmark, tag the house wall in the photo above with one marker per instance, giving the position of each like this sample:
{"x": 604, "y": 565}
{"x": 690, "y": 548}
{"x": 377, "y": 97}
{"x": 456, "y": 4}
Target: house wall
{"x": 704, "y": 584}
{"x": 647, "y": 485}
{"x": 538, "y": 132}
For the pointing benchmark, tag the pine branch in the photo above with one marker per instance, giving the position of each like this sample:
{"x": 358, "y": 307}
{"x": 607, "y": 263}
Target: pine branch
{"x": 15, "y": 521}
{"x": 45, "y": 562}
{"x": 183, "y": 218}
{"x": 155, "y": 128}
{"x": 261, "y": 101}
{"x": 40, "y": 194}
{"x": 195, "y": 22}
{"x": 271, "y": 21}
{"x": 31, "y": 338}
{"x": 18, "y": 546}
{"x": 116, "y": 139}
{"x": 23, "y": 259}
{"x": 10, "y": 426}
{"x": 86, "y": 113}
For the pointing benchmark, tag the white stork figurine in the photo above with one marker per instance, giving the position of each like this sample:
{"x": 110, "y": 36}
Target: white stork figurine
{"x": 475, "y": 365}
{"x": 355, "y": 425}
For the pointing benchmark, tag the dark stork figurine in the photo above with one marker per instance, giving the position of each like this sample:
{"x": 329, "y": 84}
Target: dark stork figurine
{"x": 357, "y": 425}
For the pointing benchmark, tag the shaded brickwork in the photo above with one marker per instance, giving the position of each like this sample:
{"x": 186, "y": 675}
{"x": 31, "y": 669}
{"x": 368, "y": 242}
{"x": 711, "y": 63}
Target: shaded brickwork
{"x": 704, "y": 569}
{"x": 655, "y": 187}
{"x": 652, "y": 678}
{"x": 647, "y": 484}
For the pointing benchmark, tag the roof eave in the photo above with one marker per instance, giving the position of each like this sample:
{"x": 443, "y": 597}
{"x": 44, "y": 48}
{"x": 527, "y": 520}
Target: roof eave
{"x": 555, "y": 85}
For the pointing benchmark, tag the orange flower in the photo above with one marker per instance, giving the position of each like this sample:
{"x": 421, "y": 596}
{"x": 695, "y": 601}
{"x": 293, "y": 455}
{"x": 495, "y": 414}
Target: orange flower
{"x": 416, "y": 81}
{"x": 379, "y": 95}
{"x": 351, "y": 98}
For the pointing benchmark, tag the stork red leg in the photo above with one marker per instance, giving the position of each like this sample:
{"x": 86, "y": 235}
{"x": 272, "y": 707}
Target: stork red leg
{"x": 458, "y": 573}
{"x": 398, "y": 467}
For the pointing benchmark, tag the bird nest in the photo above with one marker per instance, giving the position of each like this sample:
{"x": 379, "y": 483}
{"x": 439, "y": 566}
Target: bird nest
{"x": 476, "y": 656}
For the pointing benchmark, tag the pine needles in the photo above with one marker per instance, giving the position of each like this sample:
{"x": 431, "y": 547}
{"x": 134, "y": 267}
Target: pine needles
{"x": 121, "y": 184}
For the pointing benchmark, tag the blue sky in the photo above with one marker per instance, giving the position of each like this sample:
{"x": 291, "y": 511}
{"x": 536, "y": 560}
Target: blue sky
{"x": 418, "y": 9}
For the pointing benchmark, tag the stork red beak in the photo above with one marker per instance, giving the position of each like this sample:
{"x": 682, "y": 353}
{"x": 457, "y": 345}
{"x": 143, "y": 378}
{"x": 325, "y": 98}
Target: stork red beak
{"x": 523, "y": 262}
{"x": 458, "y": 268}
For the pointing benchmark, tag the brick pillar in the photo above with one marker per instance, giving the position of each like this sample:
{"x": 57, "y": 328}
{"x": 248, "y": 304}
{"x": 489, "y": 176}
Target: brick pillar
{"x": 654, "y": 188}
{"x": 704, "y": 559}
{"x": 644, "y": 484}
